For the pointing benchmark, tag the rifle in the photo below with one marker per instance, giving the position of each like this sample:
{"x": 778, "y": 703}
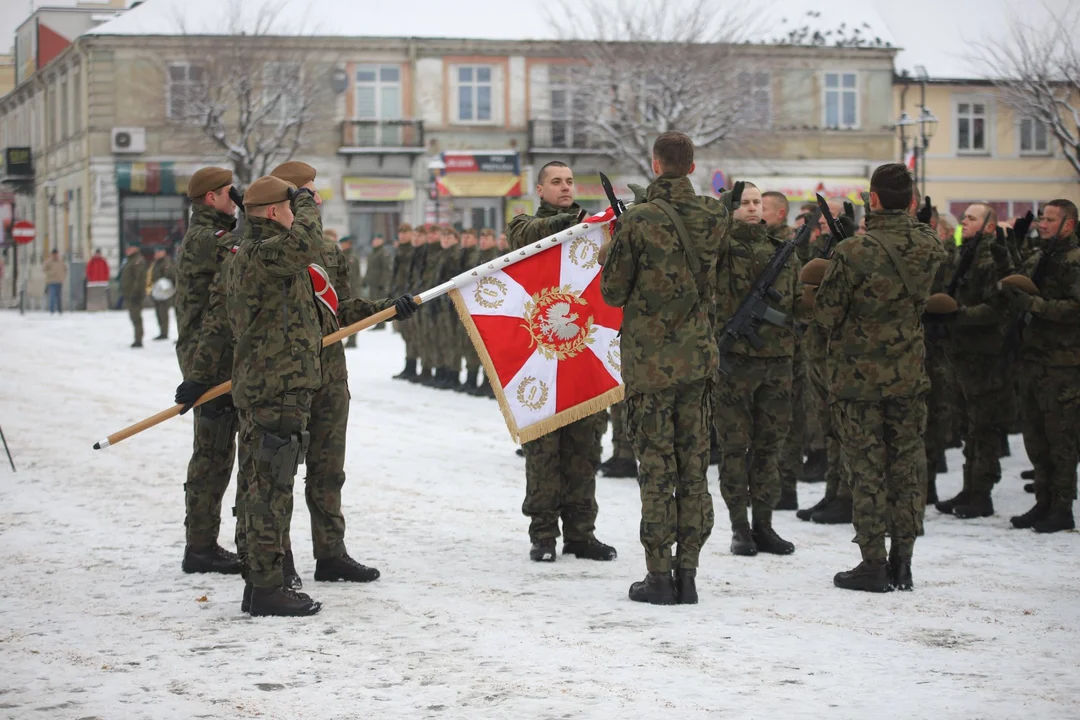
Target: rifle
{"x": 935, "y": 330}
{"x": 836, "y": 233}
{"x": 754, "y": 308}
{"x": 617, "y": 206}
{"x": 1014, "y": 334}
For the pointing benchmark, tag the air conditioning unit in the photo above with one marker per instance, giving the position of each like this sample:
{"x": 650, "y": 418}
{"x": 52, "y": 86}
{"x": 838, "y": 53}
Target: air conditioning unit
{"x": 128, "y": 140}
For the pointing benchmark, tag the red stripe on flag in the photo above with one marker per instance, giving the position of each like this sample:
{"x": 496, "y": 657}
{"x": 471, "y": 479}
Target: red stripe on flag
{"x": 603, "y": 314}
{"x": 508, "y": 344}
{"x": 538, "y": 272}
{"x": 580, "y": 379}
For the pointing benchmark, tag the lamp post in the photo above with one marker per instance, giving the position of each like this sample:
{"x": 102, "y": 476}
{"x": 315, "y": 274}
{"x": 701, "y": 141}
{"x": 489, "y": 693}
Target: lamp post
{"x": 927, "y": 123}
{"x": 435, "y": 167}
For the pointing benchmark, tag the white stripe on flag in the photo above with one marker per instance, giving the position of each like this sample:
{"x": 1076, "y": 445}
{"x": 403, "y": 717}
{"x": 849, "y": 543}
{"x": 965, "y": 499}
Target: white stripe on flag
{"x": 605, "y": 346}
{"x": 531, "y": 393}
{"x": 579, "y": 260}
{"x": 497, "y": 294}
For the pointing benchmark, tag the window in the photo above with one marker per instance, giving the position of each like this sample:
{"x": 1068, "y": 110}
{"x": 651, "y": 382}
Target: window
{"x": 283, "y": 92}
{"x": 971, "y": 127}
{"x": 1034, "y": 140}
{"x": 76, "y": 100}
{"x": 474, "y": 93}
{"x": 51, "y": 115}
{"x": 567, "y": 109}
{"x": 841, "y": 100}
{"x": 378, "y": 97}
{"x": 184, "y": 92}
{"x": 65, "y": 109}
{"x": 755, "y": 90}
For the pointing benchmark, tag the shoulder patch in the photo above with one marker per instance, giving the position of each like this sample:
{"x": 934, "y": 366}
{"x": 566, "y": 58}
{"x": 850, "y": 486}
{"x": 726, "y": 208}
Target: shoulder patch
{"x": 219, "y": 233}
{"x": 234, "y": 249}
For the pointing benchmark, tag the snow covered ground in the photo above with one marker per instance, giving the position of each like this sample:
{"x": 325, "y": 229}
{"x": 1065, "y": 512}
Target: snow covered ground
{"x": 98, "y": 621}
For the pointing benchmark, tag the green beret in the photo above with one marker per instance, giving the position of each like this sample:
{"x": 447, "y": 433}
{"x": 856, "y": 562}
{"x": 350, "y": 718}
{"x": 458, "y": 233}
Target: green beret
{"x": 296, "y": 172}
{"x": 267, "y": 191}
{"x": 208, "y": 179}
{"x": 346, "y": 239}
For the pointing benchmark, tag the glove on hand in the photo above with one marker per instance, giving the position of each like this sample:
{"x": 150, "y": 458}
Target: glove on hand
{"x": 732, "y": 199}
{"x": 925, "y": 213}
{"x": 405, "y": 306}
{"x": 188, "y": 393}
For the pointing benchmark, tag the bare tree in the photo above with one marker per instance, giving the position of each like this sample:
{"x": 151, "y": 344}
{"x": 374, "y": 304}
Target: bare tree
{"x": 650, "y": 67}
{"x": 1037, "y": 73}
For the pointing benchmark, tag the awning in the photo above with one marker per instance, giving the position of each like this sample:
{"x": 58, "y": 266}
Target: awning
{"x": 588, "y": 187}
{"x": 164, "y": 178}
{"x": 803, "y": 189}
{"x": 480, "y": 184}
{"x": 369, "y": 189}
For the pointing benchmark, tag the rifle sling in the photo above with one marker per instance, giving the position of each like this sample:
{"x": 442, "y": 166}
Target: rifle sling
{"x": 900, "y": 265}
{"x": 684, "y": 237}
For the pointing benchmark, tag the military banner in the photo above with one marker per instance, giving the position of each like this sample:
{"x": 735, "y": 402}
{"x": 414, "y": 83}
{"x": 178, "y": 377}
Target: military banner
{"x": 548, "y": 342}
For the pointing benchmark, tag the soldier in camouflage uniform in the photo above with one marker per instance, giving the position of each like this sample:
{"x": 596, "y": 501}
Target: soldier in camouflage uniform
{"x": 377, "y": 279}
{"x": 560, "y": 467}
{"x": 163, "y": 267}
{"x": 661, "y": 268}
{"x": 622, "y": 463}
{"x": 352, "y": 260}
{"x": 943, "y": 387}
{"x": 133, "y": 288}
{"x": 430, "y": 312}
{"x": 204, "y": 350}
{"x": 488, "y": 252}
{"x": 401, "y": 283}
{"x": 470, "y": 258}
{"x": 447, "y": 323}
{"x": 871, "y": 302}
{"x": 1049, "y": 359}
{"x": 752, "y": 405}
{"x": 976, "y": 333}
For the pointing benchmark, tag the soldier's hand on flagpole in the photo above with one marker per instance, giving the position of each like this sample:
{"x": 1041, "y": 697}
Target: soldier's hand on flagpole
{"x": 405, "y": 306}
{"x": 188, "y": 393}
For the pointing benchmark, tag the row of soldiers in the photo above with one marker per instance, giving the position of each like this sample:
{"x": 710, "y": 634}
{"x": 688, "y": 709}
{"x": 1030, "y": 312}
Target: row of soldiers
{"x": 137, "y": 281}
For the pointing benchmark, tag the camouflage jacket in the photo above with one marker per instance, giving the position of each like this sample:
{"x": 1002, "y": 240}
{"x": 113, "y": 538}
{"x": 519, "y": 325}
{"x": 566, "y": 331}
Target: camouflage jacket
{"x": 874, "y": 319}
{"x": 1052, "y": 335}
{"x": 163, "y": 268}
{"x": 400, "y": 280}
{"x": 417, "y": 268}
{"x": 980, "y": 325}
{"x": 197, "y": 263}
{"x": 669, "y": 313}
{"x": 816, "y": 338}
{"x": 353, "y": 263}
{"x": 527, "y": 229}
{"x": 133, "y": 278}
{"x": 212, "y": 359}
{"x": 273, "y": 309}
{"x": 750, "y": 250}
{"x": 431, "y": 270}
{"x": 377, "y": 278}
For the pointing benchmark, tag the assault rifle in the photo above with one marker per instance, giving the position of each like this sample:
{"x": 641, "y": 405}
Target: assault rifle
{"x": 837, "y": 231}
{"x": 935, "y": 330}
{"x": 1014, "y": 334}
{"x": 754, "y": 308}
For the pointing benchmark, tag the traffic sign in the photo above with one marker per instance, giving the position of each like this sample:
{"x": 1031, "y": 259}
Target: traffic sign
{"x": 23, "y": 232}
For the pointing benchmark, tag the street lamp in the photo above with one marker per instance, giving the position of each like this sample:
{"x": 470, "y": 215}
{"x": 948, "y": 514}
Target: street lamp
{"x": 435, "y": 167}
{"x": 927, "y": 123}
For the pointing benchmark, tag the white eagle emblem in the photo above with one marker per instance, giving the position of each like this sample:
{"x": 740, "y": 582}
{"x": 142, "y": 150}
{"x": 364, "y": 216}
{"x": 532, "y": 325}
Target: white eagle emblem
{"x": 558, "y": 323}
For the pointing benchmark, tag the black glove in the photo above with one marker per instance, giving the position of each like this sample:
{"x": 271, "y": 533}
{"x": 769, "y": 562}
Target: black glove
{"x": 1023, "y": 226}
{"x": 236, "y": 197}
{"x": 732, "y": 199}
{"x": 293, "y": 193}
{"x": 188, "y": 393}
{"x": 999, "y": 247}
{"x": 925, "y": 213}
{"x": 405, "y": 306}
{"x": 217, "y": 407}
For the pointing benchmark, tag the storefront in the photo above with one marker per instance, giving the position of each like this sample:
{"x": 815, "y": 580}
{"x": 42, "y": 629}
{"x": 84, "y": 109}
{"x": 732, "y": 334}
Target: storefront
{"x": 478, "y": 189}
{"x": 154, "y": 207}
{"x": 803, "y": 189}
{"x": 376, "y": 206}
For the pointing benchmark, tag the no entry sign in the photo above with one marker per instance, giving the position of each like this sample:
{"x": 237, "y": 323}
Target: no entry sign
{"x": 23, "y": 232}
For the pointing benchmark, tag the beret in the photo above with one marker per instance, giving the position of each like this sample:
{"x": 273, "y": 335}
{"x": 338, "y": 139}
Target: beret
{"x": 813, "y": 272}
{"x": 809, "y": 295}
{"x": 941, "y": 304}
{"x": 296, "y": 172}
{"x": 267, "y": 191}
{"x": 1021, "y": 282}
{"x": 208, "y": 179}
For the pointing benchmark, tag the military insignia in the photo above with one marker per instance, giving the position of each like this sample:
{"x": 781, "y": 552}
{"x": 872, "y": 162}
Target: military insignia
{"x": 614, "y": 355}
{"x": 532, "y": 393}
{"x": 219, "y": 233}
{"x": 554, "y": 319}
{"x": 584, "y": 252}
{"x": 490, "y": 292}
{"x": 324, "y": 289}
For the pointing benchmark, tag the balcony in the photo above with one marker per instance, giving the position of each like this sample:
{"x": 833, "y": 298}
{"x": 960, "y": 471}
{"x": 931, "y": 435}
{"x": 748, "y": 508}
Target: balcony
{"x": 566, "y": 137}
{"x": 382, "y": 137}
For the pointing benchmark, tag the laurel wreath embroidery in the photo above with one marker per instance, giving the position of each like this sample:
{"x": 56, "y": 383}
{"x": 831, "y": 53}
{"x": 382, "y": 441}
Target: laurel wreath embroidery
{"x": 537, "y": 323}
{"x": 490, "y": 293}
{"x": 589, "y": 251}
{"x": 532, "y": 402}
{"x": 614, "y": 356}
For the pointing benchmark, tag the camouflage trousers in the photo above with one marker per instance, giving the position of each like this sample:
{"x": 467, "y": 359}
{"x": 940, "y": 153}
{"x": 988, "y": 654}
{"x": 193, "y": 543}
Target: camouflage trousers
{"x": 669, "y": 432}
{"x": 1050, "y": 405}
{"x": 805, "y": 430}
{"x": 407, "y": 330}
{"x": 885, "y": 462}
{"x": 161, "y": 309}
{"x": 468, "y": 350}
{"x": 426, "y": 336}
{"x": 209, "y": 470}
{"x": 752, "y": 414}
{"x": 837, "y": 485}
{"x": 326, "y": 468}
{"x": 620, "y": 439}
{"x": 135, "y": 313}
{"x": 448, "y": 339}
{"x": 940, "y": 405}
{"x": 560, "y": 480}
{"x": 272, "y": 442}
{"x": 988, "y": 410}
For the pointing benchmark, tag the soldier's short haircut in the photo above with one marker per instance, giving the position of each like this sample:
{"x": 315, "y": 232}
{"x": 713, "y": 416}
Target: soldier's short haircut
{"x": 990, "y": 215}
{"x": 540, "y": 176}
{"x": 893, "y": 185}
{"x": 779, "y": 197}
{"x": 1067, "y": 206}
{"x": 675, "y": 153}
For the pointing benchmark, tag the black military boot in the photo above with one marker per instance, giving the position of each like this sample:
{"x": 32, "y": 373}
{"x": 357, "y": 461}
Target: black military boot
{"x": 767, "y": 541}
{"x": 838, "y": 512}
{"x": 900, "y": 573}
{"x": 807, "y": 513}
{"x": 1032, "y": 516}
{"x": 214, "y": 559}
{"x": 947, "y": 506}
{"x": 869, "y": 576}
{"x": 428, "y": 377}
{"x": 290, "y": 579}
{"x": 815, "y": 467}
{"x": 942, "y": 463}
{"x": 931, "y": 487}
{"x": 656, "y": 589}
{"x": 686, "y": 586}
{"x": 1058, "y": 519}
{"x": 281, "y": 602}
{"x": 245, "y": 601}
{"x": 591, "y": 549}
{"x": 789, "y": 500}
{"x": 1029, "y": 488}
{"x": 742, "y": 541}
{"x": 977, "y": 505}
{"x": 137, "y": 344}
{"x": 619, "y": 467}
{"x": 409, "y": 373}
{"x": 543, "y": 551}
{"x": 344, "y": 568}
{"x": 1027, "y": 475}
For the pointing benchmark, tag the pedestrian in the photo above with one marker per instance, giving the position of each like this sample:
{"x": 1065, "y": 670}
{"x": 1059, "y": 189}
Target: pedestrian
{"x": 133, "y": 277}
{"x": 162, "y": 269}
{"x": 55, "y": 275}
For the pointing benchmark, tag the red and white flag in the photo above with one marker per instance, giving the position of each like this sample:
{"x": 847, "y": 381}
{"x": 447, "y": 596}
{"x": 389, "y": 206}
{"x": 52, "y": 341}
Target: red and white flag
{"x": 548, "y": 341}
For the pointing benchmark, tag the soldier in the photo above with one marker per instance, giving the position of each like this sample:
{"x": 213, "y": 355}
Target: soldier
{"x": 622, "y": 463}
{"x": 560, "y": 467}
{"x": 503, "y": 244}
{"x": 133, "y": 287}
{"x": 470, "y": 258}
{"x": 1049, "y": 302}
{"x": 352, "y": 260}
{"x": 661, "y": 268}
{"x": 977, "y": 329}
{"x": 204, "y": 350}
{"x": 377, "y": 278}
{"x": 401, "y": 283}
{"x": 429, "y": 312}
{"x": 488, "y": 252}
{"x": 162, "y": 268}
{"x": 447, "y": 352}
{"x": 752, "y": 405}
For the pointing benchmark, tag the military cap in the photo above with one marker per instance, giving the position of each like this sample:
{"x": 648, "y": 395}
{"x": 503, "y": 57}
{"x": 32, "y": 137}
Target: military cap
{"x": 208, "y": 179}
{"x": 404, "y": 227}
{"x": 1021, "y": 282}
{"x": 809, "y": 295}
{"x": 267, "y": 191}
{"x": 346, "y": 239}
{"x": 941, "y": 304}
{"x": 296, "y": 172}
{"x": 814, "y": 271}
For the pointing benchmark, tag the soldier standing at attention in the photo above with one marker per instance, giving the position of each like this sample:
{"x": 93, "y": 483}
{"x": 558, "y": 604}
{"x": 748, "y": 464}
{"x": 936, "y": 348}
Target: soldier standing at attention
{"x": 204, "y": 349}
{"x": 560, "y": 467}
{"x": 871, "y": 302}
{"x": 162, "y": 268}
{"x": 661, "y": 269}
{"x": 377, "y": 278}
{"x": 400, "y": 284}
{"x": 352, "y": 264}
{"x": 133, "y": 287}
{"x": 429, "y": 312}
{"x": 752, "y": 405}
{"x": 470, "y": 258}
